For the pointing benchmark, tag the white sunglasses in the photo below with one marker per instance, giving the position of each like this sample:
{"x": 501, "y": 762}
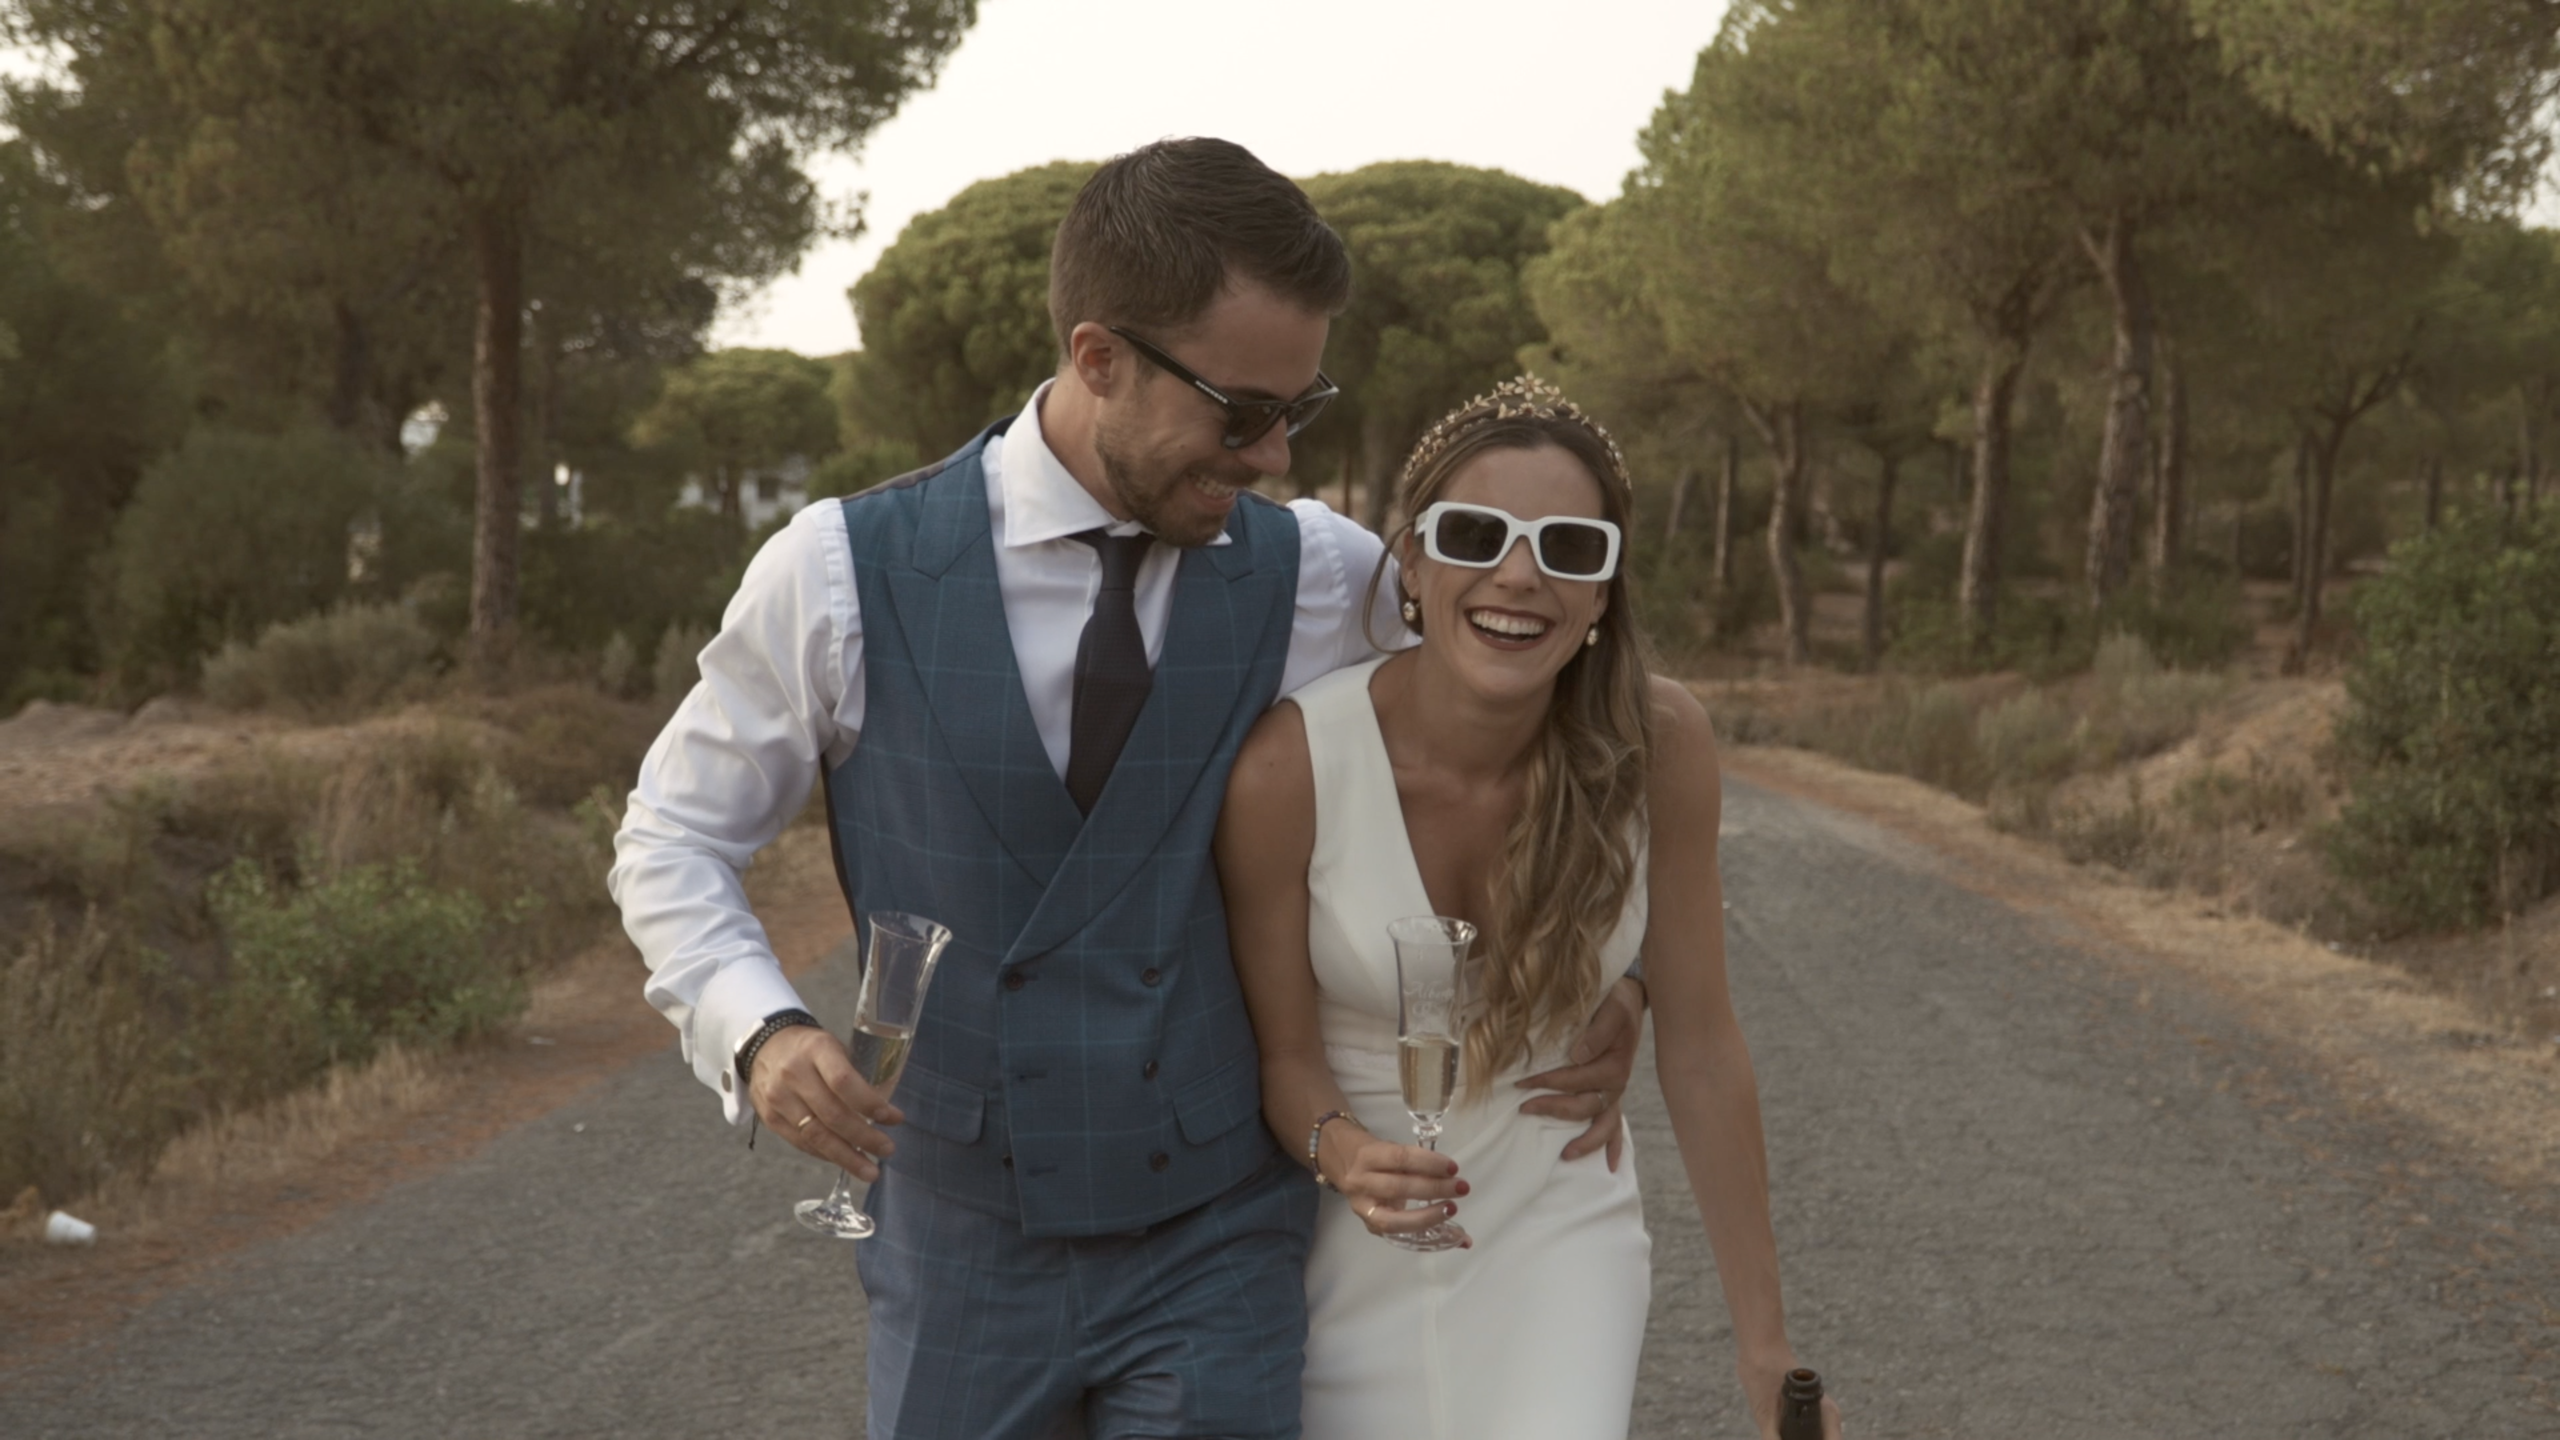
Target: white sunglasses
{"x": 1567, "y": 547}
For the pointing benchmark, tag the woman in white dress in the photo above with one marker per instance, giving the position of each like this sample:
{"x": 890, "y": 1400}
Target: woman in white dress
{"x": 1521, "y": 770}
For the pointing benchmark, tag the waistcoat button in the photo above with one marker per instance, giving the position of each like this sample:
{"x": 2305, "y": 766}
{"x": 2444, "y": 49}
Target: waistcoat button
{"x": 1150, "y": 1071}
{"x": 1151, "y": 976}
{"x": 1159, "y": 1161}
{"x": 1013, "y": 980}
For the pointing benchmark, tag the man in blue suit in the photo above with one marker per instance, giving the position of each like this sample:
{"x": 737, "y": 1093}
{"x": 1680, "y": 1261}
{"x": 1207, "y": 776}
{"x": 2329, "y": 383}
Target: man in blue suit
{"x": 1022, "y": 675}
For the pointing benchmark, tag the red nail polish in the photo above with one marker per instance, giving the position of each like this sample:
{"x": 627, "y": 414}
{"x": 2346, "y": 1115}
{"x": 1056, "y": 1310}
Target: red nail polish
{"x": 1464, "y": 1188}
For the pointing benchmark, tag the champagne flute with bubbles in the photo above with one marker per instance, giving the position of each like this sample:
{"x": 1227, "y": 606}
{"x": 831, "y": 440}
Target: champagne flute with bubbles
{"x": 895, "y": 973}
{"x": 1431, "y": 969}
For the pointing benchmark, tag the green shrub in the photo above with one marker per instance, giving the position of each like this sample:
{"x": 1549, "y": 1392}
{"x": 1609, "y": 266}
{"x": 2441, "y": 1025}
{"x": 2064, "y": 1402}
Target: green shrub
{"x": 583, "y": 585}
{"x": 226, "y": 535}
{"x": 2028, "y": 741}
{"x": 2197, "y": 620}
{"x": 2137, "y": 708}
{"x": 327, "y": 973}
{"x": 88, "y": 1083}
{"x": 2213, "y": 799}
{"x": 618, "y": 668}
{"x": 2037, "y": 636}
{"x": 1925, "y": 732}
{"x": 2451, "y": 735}
{"x": 852, "y": 471}
{"x": 679, "y": 663}
{"x": 343, "y": 661}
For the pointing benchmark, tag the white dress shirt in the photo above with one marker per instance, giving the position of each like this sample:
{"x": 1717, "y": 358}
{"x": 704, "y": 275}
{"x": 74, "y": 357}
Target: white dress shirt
{"x": 782, "y": 691}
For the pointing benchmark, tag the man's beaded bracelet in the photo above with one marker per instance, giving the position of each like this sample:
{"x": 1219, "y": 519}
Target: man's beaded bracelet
{"x": 774, "y": 1024}
{"x": 1315, "y": 1133}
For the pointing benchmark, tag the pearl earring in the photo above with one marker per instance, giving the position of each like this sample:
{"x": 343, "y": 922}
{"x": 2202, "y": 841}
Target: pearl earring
{"x": 1590, "y": 637}
{"x": 1412, "y": 615}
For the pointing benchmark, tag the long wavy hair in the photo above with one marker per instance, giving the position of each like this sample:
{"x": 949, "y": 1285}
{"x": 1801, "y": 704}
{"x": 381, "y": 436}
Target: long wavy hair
{"x": 1570, "y": 857}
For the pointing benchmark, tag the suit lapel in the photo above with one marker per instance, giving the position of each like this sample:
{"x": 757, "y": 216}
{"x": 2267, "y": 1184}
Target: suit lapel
{"x": 952, "y": 616}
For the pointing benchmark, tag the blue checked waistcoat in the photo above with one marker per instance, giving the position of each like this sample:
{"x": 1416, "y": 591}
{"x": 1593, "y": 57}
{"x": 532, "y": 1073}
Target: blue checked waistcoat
{"x": 1084, "y": 1063}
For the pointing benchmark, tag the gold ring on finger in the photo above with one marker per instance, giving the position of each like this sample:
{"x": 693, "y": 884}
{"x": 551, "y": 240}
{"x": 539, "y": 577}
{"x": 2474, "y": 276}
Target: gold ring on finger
{"x": 805, "y": 1119}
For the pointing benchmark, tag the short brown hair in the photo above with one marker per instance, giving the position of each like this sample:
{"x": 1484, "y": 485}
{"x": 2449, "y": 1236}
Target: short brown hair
{"x": 1154, "y": 235}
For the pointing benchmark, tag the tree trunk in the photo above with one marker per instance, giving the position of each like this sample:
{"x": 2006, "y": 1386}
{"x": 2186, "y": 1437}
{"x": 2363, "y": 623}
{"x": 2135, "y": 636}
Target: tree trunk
{"x": 2315, "y": 568}
{"x": 2124, "y": 454}
{"x": 2435, "y": 492}
{"x": 1877, "y": 546}
{"x": 1680, "y": 489}
{"x": 1782, "y": 426}
{"x": 2302, "y": 516}
{"x": 1377, "y": 461}
{"x": 546, "y": 422}
{"x": 1822, "y": 511}
{"x": 2169, "y": 503}
{"x": 1978, "y": 582}
{"x": 497, "y": 389}
{"x": 1726, "y": 484}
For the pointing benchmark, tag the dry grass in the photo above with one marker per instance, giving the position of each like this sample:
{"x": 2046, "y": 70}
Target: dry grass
{"x": 497, "y": 806}
{"x": 287, "y": 1136}
{"x": 2210, "y": 786}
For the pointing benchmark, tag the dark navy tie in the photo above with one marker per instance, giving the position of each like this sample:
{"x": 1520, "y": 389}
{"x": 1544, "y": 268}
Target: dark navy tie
{"x": 1112, "y": 678}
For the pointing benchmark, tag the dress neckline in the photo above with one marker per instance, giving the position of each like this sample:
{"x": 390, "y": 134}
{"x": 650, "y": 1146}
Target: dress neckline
{"x": 1375, "y": 734}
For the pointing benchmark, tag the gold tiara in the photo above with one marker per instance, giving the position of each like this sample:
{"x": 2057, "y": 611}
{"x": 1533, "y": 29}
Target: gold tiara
{"x": 1520, "y": 397}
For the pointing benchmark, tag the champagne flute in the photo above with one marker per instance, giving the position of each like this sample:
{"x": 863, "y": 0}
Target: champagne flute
{"x": 894, "y": 976}
{"x": 1431, "y": 967}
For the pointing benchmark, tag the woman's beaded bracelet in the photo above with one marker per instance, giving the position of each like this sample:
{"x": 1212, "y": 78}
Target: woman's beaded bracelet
{"x": 1315, "y": 1133}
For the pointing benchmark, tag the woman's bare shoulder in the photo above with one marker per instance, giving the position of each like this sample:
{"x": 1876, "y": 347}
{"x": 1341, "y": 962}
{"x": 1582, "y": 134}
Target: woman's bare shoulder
{"x": 1273, "y": 767}
{"x": 1686, "y": 776}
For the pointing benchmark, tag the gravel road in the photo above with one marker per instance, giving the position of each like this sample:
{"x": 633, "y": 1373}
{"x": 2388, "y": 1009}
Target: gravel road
{"x": 2025, "y": 1187}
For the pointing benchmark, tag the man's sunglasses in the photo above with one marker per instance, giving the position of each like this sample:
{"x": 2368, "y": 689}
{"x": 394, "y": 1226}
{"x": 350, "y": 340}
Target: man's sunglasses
{"x": 1478, "y": 536}
{"x": 1247, "y": 420}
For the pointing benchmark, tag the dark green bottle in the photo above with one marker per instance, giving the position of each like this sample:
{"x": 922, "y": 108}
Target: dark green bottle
{"x": 1800, "y": 1406}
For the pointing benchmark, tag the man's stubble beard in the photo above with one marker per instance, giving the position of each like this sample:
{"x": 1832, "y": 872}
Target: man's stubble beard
{"x": 1154, "y": 506}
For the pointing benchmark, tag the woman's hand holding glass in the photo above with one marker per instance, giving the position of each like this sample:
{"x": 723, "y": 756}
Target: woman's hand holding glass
{"x": 1395, "y": 1190}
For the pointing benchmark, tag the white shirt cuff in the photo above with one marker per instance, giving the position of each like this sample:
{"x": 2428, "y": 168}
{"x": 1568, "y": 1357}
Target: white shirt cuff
{"x": 731, "y": 1008}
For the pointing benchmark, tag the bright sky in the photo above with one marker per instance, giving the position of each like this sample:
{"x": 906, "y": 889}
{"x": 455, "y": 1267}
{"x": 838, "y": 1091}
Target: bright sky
{"x": 1555, "y": 92}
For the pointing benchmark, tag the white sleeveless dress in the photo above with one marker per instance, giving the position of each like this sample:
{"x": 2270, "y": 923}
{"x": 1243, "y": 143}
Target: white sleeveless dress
{"x": 1535, "y": 1332}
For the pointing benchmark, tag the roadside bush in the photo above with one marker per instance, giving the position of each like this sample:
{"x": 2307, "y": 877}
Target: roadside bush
{"x": 679, "y": 664}
{"x": 1925, "y": 732}
{"x": 618, "y": 668}
{"x": 219, "y": 938}
{"x": 324, "y": 974}
{"x": 2199, "y": 620}
{"x": 2036, "y": 636}
{"x": 226, "y": 535}
{"x": 337, "y": 663}
{"x": 2451, "y": 735}
{"x": 2136, "y": 708}
{"x": 87, "y": 1084}
{"x": 2028, "y": 741}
